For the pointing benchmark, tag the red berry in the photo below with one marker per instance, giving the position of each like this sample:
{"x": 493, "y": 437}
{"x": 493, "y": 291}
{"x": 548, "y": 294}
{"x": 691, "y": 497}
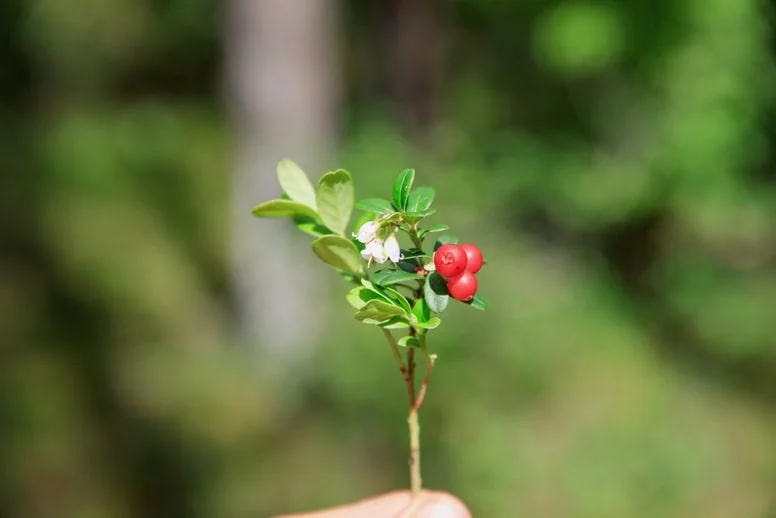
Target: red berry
{"x": 473, "y": 257}
{"x": 449, "y": 260}
{"x": 463, "y": 287}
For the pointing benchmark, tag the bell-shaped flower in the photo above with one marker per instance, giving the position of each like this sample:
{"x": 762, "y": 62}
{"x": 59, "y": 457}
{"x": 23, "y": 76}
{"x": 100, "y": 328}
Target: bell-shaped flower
{"x": 392, "y": 248}
{"x": 374, "y": 250}
{"x": 367, "y": 232}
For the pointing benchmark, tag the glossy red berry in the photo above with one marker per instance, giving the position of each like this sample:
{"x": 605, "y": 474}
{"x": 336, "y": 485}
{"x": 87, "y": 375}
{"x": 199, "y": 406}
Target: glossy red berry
{"x": 463, "y": 287}
{"x": 449, "y": 260}
{"x": 474, "y": 258}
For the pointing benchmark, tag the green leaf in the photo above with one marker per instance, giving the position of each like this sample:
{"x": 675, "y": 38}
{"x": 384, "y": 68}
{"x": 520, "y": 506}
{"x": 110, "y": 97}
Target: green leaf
{"x": 358, "y": 297}
{"x": 408, "y": 341}
{"x": 377, "y": 311}
{"x": 310, "y": 226}
{"x": 295, "y": 183}
{"x": 414, "y": 217}
{"x": 389, "y": 277}
{"x": 334, "y": 199}
{"x": 421, "y": 310}
{"x": 479, "y": 303}
{"x": 397, "y": 298}
{"x": 420, "y": 199}
{"x": 283, "y": 209}
{"x": 433, "y": 228}
{"x": 431, "y": 323}
{"x": 401, "y": 188}
{"x": 435, "y": 293}
{"x": 395, "y": 323}
{"x": 374, "y": 205}
{"x": 338, "y": 252}
{"x": 445, "y": 238}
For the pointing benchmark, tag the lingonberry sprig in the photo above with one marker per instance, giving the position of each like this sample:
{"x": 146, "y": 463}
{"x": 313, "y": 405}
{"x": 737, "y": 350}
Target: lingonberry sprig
{"x": 397, "y": 289}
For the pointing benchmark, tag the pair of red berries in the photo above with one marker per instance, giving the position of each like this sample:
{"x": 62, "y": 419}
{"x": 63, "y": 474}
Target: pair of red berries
{"x": 457, "y": 264}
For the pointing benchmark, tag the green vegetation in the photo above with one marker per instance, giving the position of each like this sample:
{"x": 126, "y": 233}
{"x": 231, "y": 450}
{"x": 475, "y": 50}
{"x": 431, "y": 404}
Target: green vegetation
{"x": 614, "y": 160}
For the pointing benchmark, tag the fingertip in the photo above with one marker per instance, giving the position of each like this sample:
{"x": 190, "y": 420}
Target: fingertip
{"x": 444, "y": 505}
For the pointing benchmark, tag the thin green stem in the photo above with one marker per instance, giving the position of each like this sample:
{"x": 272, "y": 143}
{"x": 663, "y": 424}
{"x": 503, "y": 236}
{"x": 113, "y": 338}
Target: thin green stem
{"x": 415, "y": 238}
{"x": 426, "y": 375}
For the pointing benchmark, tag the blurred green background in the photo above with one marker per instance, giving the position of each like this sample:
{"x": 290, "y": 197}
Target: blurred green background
{"x": 616, "y": 161}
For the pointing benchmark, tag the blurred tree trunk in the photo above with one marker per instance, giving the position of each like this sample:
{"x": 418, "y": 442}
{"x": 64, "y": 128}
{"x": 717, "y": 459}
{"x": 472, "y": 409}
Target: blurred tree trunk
{"x": 412, "y": 50}
{"x": 282, "y": 89}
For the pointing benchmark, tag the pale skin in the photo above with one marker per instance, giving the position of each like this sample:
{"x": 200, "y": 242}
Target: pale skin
{"x": 397, "y": 504}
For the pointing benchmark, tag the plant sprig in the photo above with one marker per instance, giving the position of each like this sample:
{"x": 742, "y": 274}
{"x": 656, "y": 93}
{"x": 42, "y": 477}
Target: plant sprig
{"x": 396, "y": 288}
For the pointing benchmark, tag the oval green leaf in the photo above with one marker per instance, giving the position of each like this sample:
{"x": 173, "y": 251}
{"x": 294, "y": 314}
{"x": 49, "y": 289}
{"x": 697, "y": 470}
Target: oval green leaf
{"x": 435, "y": 293}
{"x": 310, "y": 226}
{"x": 431, "y": 323}
{"x": 389, "y": 277}
{"x": 421, "y": 310}
{"x": 358, "y": 297}
{"x": 433, "y": 228}
{"x": 395, "y": 323}
{"x": 377, "y": 311}
{"x": 374, "y": 205}
{"x": 339, "y": 252}
{"x": 420, "y": 199}
{"x": 401, "y": 188}
{"x": 334, "y": 199}
{"x": 397, "y": 298}
{"x": 414, "y": 217}
{"x": 408, "y": 341}
{"x": 295, "y": 183}
{"x": 283, "y": 209}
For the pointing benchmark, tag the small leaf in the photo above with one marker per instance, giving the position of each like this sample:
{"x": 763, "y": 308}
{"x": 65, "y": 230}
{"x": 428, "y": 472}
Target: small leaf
{"x": 397, "y": 298}
{"x": 395, "y": 323}
{"x": 433, "y": 228}
{"x": 431, "y": 323}
{"x": 310, "y": 226}
{"x": 420, "y": 199}
{"x": 283, "y": 209}
{"x": 376, "y": 311}
{"x": 401, "y": 188}
{"x": 389, "y": 277}
{"x": 358, "y": 297}
{"x": 445, "y": 238}
{"x": 338, "y": 252}
{"x": 435, "y": 293}
{"x": 479, "y": 303}
{"x": 374, "y": 205}
{"x": 414, "y": 217}
{"x": 334, "y": 199}
{"x": 295, "y": 183}
{"x": 408, "y": 341}
{"x": 370, "y": 286}
{"x": 421, "y": 310}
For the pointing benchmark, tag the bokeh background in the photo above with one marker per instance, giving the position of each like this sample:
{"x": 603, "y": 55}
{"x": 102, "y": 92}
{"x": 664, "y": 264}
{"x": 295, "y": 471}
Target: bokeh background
{"x": 164, "y": 355}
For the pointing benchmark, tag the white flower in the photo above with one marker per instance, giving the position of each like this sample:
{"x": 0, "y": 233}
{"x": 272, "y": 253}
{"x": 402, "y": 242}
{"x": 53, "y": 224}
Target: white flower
{"x": 374, "y": 249}
{"x": 392, "y": 248}
{"x": 368, "y": 232}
